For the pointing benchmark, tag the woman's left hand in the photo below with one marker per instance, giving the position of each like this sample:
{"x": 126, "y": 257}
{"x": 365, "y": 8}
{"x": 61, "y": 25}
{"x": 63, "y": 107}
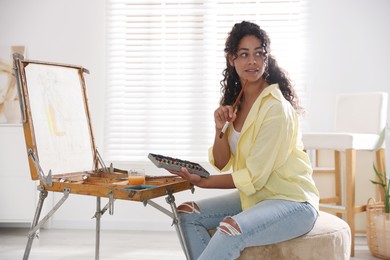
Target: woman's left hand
{"x": 184, "y": 173}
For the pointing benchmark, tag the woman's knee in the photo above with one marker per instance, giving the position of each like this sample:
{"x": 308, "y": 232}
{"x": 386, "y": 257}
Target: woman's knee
{"x": 229, "y": 226}
{"x": 188, "y": 207}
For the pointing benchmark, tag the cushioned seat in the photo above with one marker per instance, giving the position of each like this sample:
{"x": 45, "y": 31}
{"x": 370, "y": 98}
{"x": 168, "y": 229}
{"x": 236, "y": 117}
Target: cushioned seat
{"x": 330, "y": 238}
{"x": 342, "y": 140}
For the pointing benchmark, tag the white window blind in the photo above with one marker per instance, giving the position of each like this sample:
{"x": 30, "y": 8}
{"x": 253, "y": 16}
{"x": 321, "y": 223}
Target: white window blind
{"x": 164, "y": 65}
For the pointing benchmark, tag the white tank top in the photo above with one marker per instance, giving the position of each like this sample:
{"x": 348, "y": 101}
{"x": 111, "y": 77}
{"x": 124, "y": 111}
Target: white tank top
{"x": 233, "y": 140}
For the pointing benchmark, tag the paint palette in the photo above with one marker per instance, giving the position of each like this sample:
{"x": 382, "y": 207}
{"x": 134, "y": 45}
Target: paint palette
{"x": 175, "y": 164}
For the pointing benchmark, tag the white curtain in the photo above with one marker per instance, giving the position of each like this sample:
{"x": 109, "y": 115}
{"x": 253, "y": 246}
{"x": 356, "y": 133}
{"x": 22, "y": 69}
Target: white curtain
{"x": 164, "y": 65}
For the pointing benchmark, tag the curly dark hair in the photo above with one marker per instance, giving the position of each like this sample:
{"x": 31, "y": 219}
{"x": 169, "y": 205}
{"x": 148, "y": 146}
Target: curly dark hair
{"x": 231, "y": 85}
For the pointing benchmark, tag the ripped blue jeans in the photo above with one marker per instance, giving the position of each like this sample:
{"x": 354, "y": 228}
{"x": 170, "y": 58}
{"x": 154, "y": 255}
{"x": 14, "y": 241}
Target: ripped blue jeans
{"x": 268, "y": 222}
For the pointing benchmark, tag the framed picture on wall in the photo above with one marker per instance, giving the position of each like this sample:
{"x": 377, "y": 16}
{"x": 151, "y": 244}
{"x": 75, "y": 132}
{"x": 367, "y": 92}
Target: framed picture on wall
{"x": 9, "y": 98}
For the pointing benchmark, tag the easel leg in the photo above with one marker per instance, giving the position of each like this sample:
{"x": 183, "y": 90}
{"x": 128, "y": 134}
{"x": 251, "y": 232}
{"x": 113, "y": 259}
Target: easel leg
{"x": 42, "y": 197}
{"x": 98, "y": 216}
{"x": 36, "y": 226}
{"x": 176, "y": 221}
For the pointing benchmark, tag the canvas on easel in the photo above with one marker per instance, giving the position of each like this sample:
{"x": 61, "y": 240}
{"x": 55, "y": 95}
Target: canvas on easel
{"x": 61, "y": 124}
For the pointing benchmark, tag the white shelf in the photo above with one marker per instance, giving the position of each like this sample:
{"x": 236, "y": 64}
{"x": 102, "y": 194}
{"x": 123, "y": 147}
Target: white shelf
{"x": 17, "y": 190}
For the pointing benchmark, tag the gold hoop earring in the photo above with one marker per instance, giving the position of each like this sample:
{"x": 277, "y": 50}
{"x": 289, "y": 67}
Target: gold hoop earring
{"x": 266, "y": 74}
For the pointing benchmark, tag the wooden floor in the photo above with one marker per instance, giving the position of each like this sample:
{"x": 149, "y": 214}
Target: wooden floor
{"x": 57, "y": 244}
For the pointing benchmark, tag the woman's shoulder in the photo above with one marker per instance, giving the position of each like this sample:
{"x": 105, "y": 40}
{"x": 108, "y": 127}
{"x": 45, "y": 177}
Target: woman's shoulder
{"x": 275, "y": 103}
{"x": 275, "y": 92}
{"x": 272, "y": 96}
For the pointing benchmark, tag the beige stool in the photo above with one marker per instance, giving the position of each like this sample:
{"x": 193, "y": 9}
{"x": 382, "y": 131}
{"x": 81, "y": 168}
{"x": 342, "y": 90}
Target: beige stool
{"x": 330, "y": 238}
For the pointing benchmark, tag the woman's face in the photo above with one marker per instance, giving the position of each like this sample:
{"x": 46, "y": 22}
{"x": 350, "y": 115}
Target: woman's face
{"x": 251, "y": 59}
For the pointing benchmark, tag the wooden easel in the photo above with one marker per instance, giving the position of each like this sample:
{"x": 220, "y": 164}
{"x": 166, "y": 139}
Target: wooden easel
{"x": 59, "y": 139}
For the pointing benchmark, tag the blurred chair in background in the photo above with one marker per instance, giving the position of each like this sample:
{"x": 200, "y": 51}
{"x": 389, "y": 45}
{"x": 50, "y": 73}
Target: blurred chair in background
{"x": 360, "y": 121}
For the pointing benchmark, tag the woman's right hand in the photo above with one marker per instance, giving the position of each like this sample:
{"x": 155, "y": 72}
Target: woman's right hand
{"x": 223, "y": 114}
{"x": 221, "y": 149}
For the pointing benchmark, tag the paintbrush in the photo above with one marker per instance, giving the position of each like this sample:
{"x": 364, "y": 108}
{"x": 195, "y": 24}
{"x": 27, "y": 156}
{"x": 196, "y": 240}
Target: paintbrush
{"x": 234, "y": 109}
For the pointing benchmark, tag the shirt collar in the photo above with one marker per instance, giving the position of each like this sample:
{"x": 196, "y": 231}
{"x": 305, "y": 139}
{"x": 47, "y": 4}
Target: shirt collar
{"x": 270, "y": 90}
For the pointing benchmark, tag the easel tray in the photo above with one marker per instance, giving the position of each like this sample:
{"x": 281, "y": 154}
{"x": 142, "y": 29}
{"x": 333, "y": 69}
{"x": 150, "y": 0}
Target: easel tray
{"x": 106, "y": 184}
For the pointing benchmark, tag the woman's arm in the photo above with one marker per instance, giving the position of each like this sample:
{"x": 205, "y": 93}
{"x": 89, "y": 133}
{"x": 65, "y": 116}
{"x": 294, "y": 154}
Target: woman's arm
{"x": 221, "y": 149}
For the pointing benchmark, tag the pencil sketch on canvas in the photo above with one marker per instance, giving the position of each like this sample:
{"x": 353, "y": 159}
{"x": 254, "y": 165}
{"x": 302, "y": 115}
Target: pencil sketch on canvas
{"x": 59, "y": 116}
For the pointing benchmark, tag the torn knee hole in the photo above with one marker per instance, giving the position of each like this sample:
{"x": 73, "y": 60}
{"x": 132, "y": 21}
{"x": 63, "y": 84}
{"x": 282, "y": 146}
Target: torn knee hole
{"x": 188, "y": 207}
{"x": 230, "y": 227}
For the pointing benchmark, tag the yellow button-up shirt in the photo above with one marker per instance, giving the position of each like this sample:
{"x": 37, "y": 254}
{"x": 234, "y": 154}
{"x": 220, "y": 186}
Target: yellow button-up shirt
{"x": 270, "y": 162}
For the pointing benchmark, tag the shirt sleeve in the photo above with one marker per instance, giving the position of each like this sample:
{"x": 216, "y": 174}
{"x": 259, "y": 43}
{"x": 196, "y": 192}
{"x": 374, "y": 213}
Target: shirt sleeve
{"x": 270, "y": 149}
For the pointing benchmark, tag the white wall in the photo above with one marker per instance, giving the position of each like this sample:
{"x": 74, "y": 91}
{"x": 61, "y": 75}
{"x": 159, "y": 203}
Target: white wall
{"x": 348, "y": 47}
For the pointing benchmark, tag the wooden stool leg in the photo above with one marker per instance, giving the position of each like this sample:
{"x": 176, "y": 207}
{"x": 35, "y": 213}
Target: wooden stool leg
{"x": 380, "y": 166}
{"x": 350, "y": 167}
{"x": 337, "y": 177}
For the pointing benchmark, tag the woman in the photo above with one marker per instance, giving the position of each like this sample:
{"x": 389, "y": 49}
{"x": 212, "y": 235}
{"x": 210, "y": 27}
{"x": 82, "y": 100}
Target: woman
{"x": 275, "y": 198}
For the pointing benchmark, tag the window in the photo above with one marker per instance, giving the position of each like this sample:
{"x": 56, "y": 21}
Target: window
{"x": 165, "y": 62}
